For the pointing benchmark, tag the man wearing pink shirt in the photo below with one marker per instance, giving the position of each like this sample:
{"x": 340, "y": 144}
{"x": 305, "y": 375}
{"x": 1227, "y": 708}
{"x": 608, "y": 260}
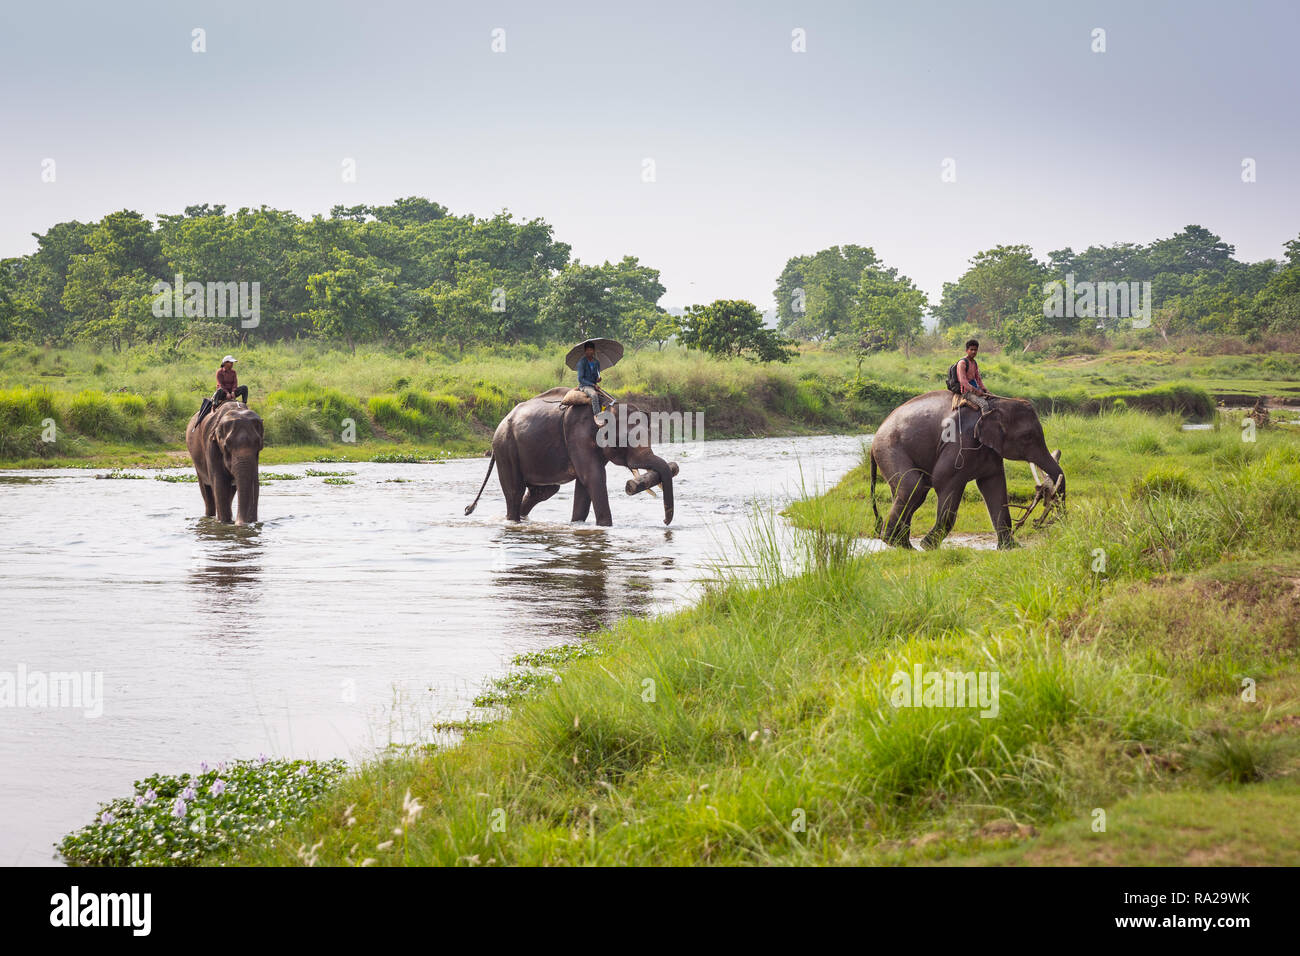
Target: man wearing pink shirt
{"x": 968, "y": 377}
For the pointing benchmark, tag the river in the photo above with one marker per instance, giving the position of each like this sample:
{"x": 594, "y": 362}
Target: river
{"x": 352, "y": 616}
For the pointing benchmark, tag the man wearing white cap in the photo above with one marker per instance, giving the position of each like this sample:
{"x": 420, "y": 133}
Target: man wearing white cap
{"x": 228, "y": 383}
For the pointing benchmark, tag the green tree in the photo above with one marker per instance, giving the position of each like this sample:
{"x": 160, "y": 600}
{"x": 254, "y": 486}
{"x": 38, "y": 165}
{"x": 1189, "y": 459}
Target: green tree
{"x": 732, "y": 328}
{"x": 815, "y": 295}
{"x": 351, "y": 301}
{"x": 461, "y": 311}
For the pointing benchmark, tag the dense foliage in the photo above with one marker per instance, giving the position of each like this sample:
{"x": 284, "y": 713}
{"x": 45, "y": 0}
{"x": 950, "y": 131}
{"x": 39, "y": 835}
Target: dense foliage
{"x": 846, "y": 294}
{"x": 410, "y": 271}
{"x": 414, "y": 273}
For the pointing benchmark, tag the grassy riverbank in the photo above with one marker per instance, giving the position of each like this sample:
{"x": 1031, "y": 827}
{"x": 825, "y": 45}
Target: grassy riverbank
{"x": 77, "y": 407}
{"x": 1147, "y": 649}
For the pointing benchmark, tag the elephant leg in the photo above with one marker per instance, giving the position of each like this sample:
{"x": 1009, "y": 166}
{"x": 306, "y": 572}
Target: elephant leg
{"x": 535, "y": 495}
{"x": 994, "y": 490}
{"x": 908, "y": 495}
{"x": 949, "y": 500}
{"x": 209, "y": 500}
{"x": 224, "y": 493}
{"x": 581, "y": 502}
{"x": 593, "y": 480}
{"x": 512, "y": 484}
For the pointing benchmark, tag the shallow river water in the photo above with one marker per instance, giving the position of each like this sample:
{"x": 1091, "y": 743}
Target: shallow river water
{"x": 350, "y": 617}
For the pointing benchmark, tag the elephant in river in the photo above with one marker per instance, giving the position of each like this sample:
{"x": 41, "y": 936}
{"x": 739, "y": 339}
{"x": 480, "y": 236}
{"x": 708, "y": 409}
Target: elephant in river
{"x": 925, "y": 444}
{"x": 224, "y": 447}
{"x": 542, "y": 444}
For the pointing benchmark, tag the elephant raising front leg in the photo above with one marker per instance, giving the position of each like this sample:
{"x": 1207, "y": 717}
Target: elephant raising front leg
{"x": 946, "y": 517}
{"x": 535, "y": 495}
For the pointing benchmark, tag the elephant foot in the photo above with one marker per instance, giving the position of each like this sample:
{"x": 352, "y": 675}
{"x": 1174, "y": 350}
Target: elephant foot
{"x": 1008, "y": 544}
{"x": 930, "y": 544}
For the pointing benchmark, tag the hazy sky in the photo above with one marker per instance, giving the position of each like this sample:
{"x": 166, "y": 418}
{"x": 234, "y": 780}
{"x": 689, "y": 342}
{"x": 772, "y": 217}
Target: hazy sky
{"x": 759, "y": 152}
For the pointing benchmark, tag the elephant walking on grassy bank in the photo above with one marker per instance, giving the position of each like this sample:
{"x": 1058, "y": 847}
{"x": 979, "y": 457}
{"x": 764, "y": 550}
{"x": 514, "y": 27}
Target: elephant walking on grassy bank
{"x": 224, "y": 447}
{"x": 543, "y": 444}
{"x": 925, "y": 444}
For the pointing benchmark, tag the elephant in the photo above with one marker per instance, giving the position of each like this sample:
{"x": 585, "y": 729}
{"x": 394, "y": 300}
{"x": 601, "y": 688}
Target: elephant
{"x": 224, "y": 448}
{"x": 542, "y": 444}
{"x": 925, "y": 444}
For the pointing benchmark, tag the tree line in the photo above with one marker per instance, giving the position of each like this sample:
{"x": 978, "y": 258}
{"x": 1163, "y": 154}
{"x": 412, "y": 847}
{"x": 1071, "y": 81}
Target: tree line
{"x": 409, "y": 271}
{"x": 412, "y": 272}
{"x": 846, "y": 295}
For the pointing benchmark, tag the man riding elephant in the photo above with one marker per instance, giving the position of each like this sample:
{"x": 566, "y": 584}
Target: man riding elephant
{"x": 925, "y": 443}
{"x": 589, "y": 375}
{"x": 549, "y": 441}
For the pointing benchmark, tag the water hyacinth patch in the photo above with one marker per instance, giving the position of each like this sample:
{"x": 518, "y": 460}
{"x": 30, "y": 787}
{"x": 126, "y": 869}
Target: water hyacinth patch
{"x": 177, "y": 819}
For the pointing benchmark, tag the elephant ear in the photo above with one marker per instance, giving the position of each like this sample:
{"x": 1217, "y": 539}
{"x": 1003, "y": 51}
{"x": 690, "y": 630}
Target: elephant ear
{"x": 261, "y": 434}
{"x": 222, "y": 431}
{"x": 989, "y": 431}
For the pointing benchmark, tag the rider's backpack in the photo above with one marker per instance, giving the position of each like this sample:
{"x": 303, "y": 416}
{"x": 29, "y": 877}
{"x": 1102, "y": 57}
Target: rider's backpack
{"x": 954, "y": 384}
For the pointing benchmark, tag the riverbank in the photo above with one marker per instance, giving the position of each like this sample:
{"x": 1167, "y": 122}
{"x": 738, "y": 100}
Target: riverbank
{"x": 1147, "y": 659}
{"x": 74, "y": 407}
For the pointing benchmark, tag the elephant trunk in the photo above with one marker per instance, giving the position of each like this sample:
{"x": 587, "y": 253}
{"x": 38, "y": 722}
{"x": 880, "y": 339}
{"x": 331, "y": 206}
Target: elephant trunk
{"x": 665, "y": 473}
{"x": 244, "y": 471}
{"x": 1051, "y": 467}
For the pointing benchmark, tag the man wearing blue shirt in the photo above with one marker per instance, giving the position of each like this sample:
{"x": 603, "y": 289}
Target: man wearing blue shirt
{"x": 589, "y": 375}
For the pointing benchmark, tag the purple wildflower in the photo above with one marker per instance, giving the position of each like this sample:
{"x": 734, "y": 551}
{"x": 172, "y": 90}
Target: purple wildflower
{"x": 218, "y": 788}
{"x": 178, "y": 810}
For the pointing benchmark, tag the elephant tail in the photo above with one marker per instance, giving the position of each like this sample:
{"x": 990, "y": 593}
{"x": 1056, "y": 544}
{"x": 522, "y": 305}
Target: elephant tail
{"x": 874, "y": 510}
{"x": 474, "y": 503}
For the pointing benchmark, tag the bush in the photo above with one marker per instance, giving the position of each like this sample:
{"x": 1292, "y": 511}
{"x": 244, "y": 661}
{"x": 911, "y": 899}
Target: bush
{"x": 1170, "y": 482}
{"x": 26, "y": 406}
{"x": 326, "y": 408}
{"x": 490, "y": 403}
{"x": 292, "y": 425}
{"x": 445, "y": 407}
{"x": 95, "y": 415}
{"x": 1169, "y": 399}
{"x": 390, "y": 413}
{"x": 175, "y": 820}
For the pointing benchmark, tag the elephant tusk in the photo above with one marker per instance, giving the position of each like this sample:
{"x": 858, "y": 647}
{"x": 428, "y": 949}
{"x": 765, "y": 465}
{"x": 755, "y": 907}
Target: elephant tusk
{"x": 1038, "y": 479}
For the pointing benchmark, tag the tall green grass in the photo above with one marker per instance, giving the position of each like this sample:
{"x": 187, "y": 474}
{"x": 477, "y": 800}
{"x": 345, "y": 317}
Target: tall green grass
{"x": 758, "y": 726}
{"x": 304, "y": 390}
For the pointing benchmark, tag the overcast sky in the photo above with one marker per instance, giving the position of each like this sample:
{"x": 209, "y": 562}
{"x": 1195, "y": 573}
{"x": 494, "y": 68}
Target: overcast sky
{"x": 759, "y": 152}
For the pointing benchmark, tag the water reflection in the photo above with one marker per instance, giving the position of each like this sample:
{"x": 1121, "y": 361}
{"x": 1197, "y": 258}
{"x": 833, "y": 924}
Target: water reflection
{"x": 583, "y": 577}
{"x": 227, "y": 578}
